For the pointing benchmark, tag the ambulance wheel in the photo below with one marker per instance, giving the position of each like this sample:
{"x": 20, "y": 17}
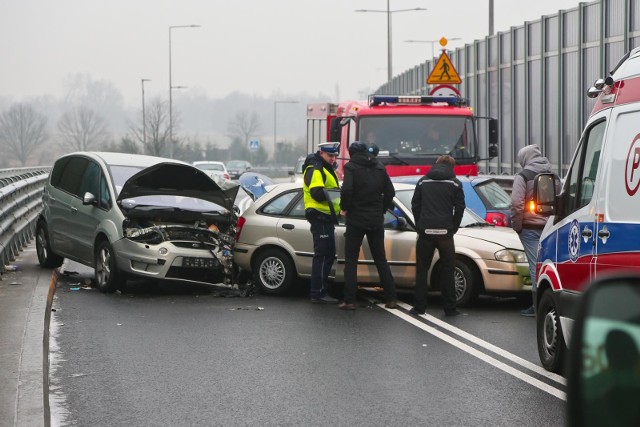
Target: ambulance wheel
{"x": 551, "y": 345}
{"x": 273, "y": 272}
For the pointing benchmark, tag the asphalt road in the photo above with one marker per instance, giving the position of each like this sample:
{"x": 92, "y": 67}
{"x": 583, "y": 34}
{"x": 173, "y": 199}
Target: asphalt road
{"x": 170, "y": 355}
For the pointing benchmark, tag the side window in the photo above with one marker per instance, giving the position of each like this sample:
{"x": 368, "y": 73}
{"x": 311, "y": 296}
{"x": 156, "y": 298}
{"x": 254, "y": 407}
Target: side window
{"x": 58, "y": 170}
{"x": 582, "y": 174}
{"x": 90, "y": 181}
{"x": 105, "y": 197}
{"x": 298, "y": 209}
{"x": 278, "y": 205}
{"x": 71, "y": 176}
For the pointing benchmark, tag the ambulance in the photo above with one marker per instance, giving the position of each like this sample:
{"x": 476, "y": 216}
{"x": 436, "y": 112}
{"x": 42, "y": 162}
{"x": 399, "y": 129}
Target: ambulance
{"x": 594, "y": 223}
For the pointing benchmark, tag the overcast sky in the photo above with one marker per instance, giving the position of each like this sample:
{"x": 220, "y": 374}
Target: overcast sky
{"x": 261, "y": 47}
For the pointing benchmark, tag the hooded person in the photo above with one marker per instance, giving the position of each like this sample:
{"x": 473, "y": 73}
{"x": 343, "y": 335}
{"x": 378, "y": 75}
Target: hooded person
{"x": 526, "y": 223}
{"x": 437, "y": 205}
{"x": 367, "y": 193}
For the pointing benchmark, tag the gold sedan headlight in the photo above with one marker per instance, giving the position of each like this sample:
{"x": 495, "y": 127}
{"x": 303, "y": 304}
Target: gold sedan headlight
{"x": 511, "y": 255}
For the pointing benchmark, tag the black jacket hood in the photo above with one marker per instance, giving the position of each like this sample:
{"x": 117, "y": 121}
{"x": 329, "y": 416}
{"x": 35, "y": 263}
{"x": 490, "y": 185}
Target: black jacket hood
{"x": 365, "y": 159}
{"x": 177, "y": 179}
{"x": 441, "y": 171}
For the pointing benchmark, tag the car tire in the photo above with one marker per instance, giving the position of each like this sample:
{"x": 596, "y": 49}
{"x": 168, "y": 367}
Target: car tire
{"x": 46, "y": 257}
{"x": 108, "y": 278}
{"x": 551, "y": 345}
{"x": 467, "y": 284}
{"x": 274, "y": 272}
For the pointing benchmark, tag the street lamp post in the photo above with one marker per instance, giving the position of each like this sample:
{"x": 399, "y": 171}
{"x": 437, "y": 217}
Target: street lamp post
{"x": 275, "y": 122}
{"x": 389, "y": 12}
{"x": 144, "y": 119}
{"x": 433, "y": 43}
{"x": 171, "y": 87}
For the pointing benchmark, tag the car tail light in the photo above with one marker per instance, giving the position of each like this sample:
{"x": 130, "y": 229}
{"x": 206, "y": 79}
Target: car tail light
{"x": 227, "y": 176}
{"x": 497, "y": 218}
{"x": 241, "y": 222}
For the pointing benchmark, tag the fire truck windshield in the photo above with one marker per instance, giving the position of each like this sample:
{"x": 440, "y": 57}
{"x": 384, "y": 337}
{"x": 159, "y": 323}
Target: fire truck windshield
{"x": 420, "y": 137}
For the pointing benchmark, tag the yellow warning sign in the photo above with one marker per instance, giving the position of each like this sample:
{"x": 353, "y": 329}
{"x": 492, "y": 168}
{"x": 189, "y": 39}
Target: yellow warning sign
{"x": 444, "y": 72}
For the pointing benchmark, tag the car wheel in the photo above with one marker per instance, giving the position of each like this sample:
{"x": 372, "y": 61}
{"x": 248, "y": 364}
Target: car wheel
{"x": 107, "y": 277}
{"x": 274, "y": 272}
{"x": 46, "y": 257}
{"x": 551, "y": 346}
{"x": 467, "y": 284}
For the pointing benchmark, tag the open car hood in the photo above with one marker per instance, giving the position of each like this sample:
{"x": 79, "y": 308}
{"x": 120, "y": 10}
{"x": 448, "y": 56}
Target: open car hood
{"x": 176, "y": 179}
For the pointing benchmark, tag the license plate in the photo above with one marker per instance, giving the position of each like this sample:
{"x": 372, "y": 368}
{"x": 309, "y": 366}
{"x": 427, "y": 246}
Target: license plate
{"x": 194, "y": 262}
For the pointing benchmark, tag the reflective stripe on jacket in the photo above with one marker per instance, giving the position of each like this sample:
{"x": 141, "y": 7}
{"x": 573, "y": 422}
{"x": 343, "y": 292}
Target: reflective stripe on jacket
{"x": 317, "y": 180}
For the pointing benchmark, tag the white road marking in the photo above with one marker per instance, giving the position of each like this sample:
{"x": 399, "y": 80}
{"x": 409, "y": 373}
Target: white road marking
{"x": 480, "y": 355}
{"x": 495, "y": 349}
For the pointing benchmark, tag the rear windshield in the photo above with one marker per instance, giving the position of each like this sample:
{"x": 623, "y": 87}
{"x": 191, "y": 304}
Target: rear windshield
{"x": 493, "y": 196}
{"x": 210, "y": 167}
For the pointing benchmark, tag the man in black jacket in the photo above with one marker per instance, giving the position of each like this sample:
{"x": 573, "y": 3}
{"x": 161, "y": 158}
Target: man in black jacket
{"x": 367, "y": 193}
{"x": 437, "y": 206}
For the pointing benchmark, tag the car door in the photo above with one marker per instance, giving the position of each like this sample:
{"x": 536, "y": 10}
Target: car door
{"x": 292, "y": 229}
{"x": 89, "y": 216}
{"x": 617, "y": 209}
{"x": 63, "y": 207}
{"x": 400, "y": 249}
{"x": 576, "y": 227}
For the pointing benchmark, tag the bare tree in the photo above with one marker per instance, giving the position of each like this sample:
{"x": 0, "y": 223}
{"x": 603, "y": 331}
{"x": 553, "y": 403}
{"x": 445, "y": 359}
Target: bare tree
{"x": 244, "y": 125}
{"x": 157, "y": 118}
{"x": 22, "y": 130}
{"x": 81, "y": 128}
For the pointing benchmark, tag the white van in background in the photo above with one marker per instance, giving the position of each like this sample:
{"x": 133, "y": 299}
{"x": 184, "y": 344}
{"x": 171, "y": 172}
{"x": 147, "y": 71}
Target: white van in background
{"x": 594, "y": 227}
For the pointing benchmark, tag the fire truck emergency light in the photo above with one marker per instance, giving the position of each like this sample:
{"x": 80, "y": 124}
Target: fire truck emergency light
{"x": 417, "y": 100}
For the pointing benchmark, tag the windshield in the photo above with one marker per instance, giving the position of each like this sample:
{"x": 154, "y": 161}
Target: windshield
{"x": 235, "y": 164}
{"x": 469, "y": 217}
{"x": 420, "y": 136}
{"x": 121, "y": 174}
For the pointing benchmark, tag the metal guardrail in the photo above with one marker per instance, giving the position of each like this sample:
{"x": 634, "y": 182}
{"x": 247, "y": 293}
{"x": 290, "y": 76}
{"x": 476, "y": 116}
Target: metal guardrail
{"x": 20, "y": 204}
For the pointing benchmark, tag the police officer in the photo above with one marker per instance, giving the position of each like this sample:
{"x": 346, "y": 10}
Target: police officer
{"x": 319, "y": 176}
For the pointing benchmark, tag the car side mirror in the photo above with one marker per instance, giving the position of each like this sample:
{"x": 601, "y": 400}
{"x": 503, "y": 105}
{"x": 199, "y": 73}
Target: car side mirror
{"x": 89, "y": 199}
{"x": 544, "y": 194}
{"x": 402, "y": 223}
{"x": 291, "y": 173}
{"x": 604, "y": 355}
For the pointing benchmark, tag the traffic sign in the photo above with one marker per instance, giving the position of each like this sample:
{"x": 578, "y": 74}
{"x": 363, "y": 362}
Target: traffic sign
{"x": 444, "y": 72}
{"x": 444, "y": 90}
{"x": 254, "y": 145}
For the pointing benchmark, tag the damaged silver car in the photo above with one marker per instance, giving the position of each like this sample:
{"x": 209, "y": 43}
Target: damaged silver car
{"x": 137, "y": 216}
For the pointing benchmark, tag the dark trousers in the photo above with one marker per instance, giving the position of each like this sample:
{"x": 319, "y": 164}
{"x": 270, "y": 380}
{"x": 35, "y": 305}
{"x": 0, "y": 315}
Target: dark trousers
{"x": 425, "y": 248}
{"x": 352, "y": 244}
{"x": 324, "y": 254}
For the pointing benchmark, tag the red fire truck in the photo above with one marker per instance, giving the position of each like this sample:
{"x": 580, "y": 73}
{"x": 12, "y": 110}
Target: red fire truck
{"x": 411, "y": 131}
